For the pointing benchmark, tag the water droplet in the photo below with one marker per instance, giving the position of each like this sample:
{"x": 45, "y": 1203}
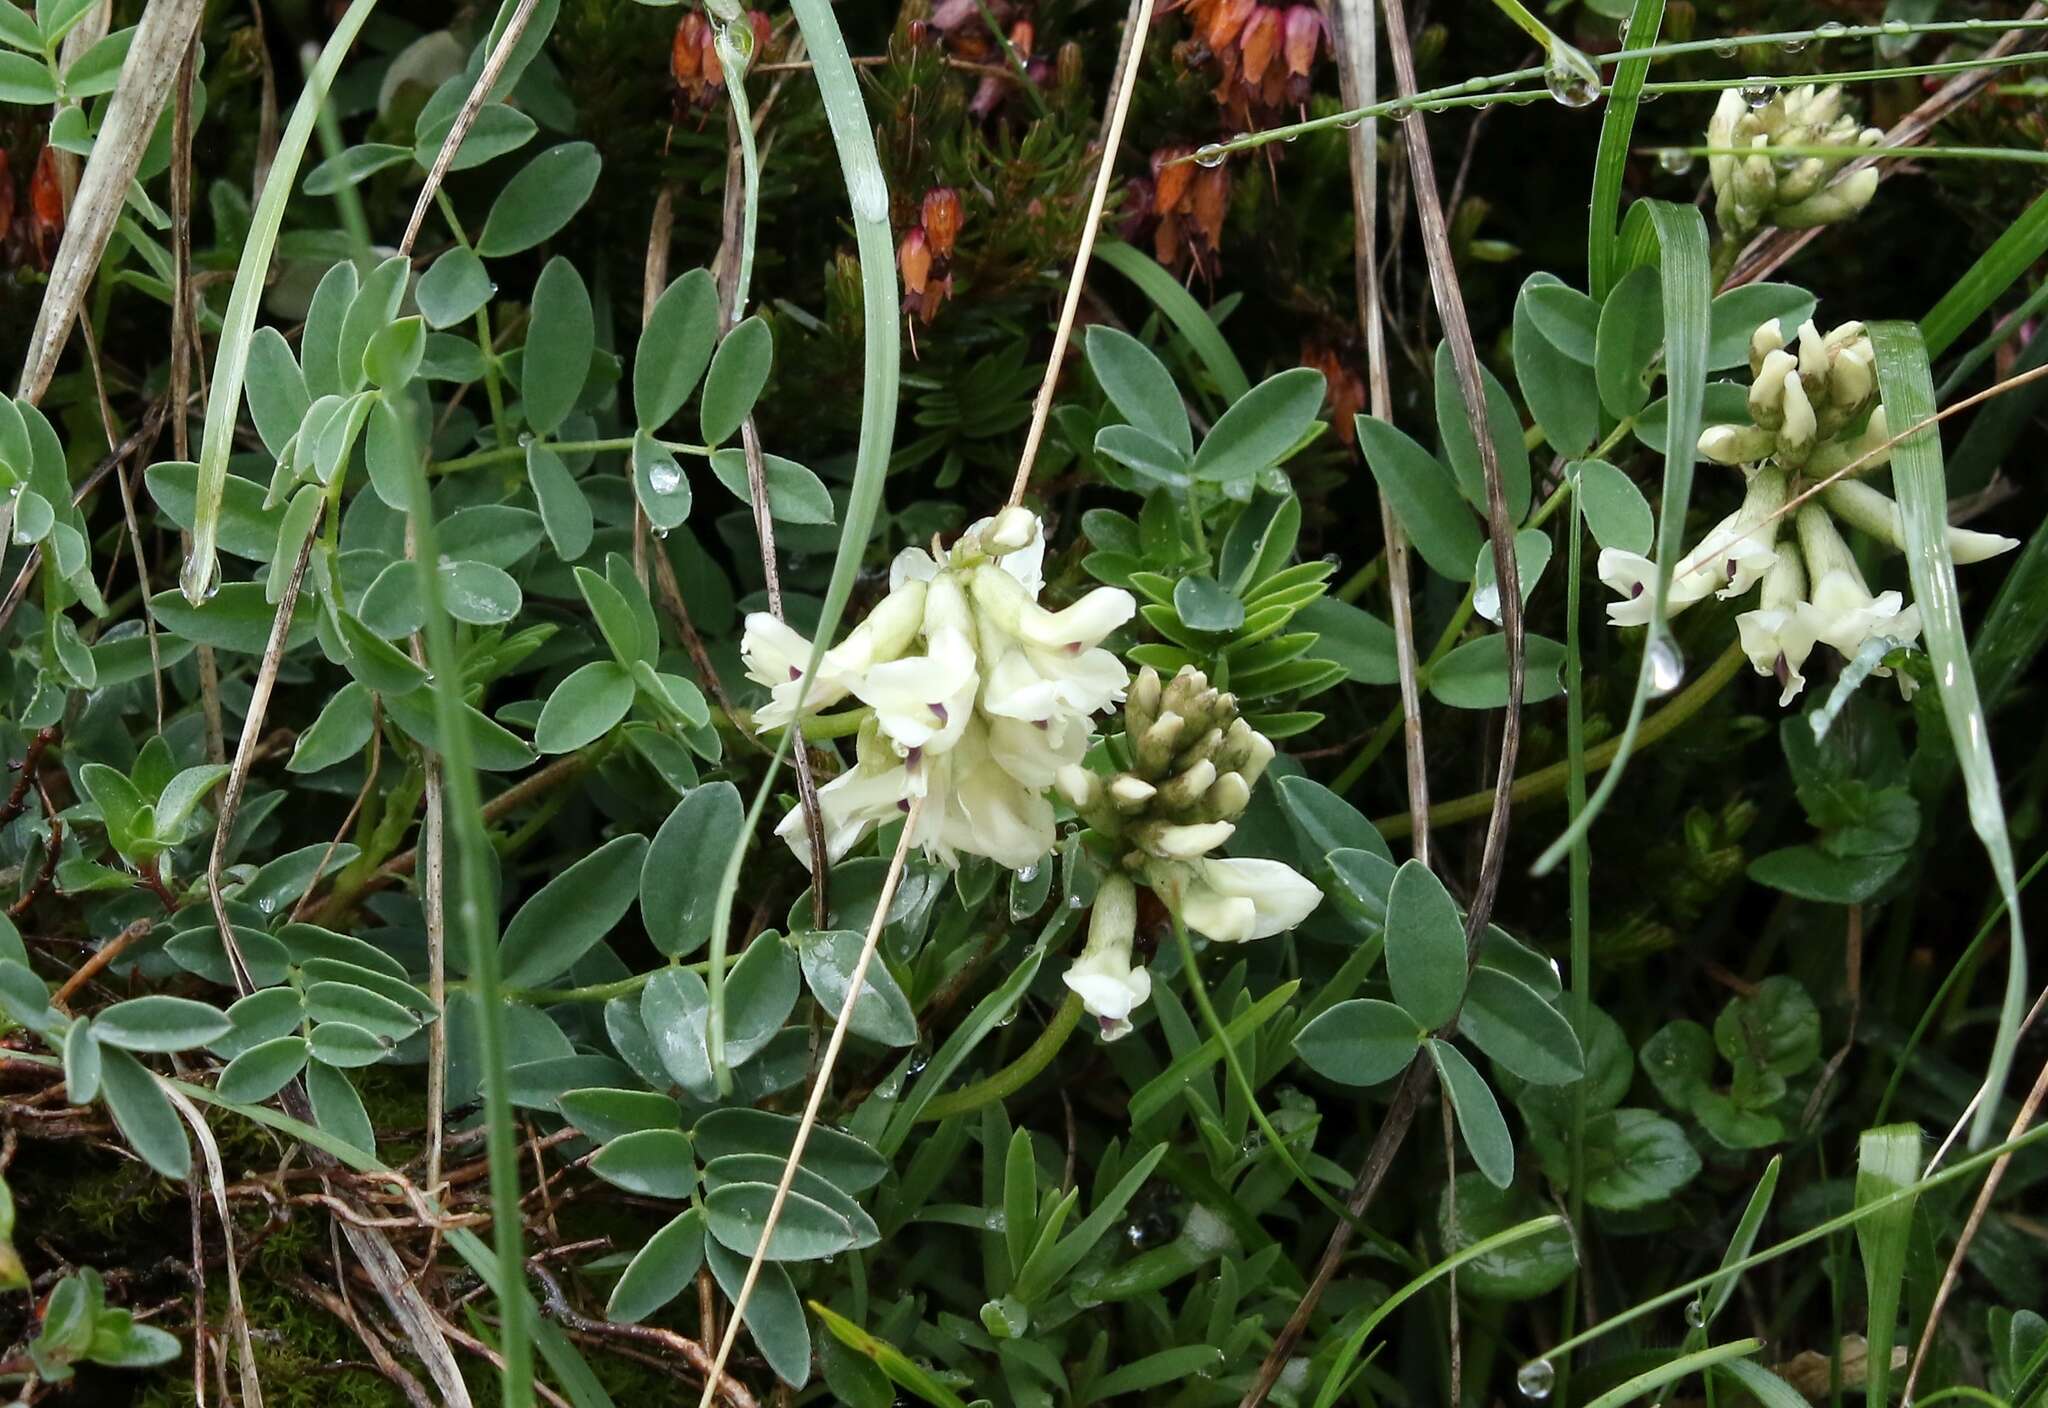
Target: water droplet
{"x": 1830, "y": 29}
{"x": 1028, "y": 874}
{"x": 1793, "y": 46}
{"x": 1696, "y": 1314}
{"x": 1211, "y": 155}
{"x": 1350, "y": 124}
{"x": 1725, "y": 49}
{"x": 1289, "y": 137}
{"x": 1478, "y": 85}
{"x": 1675, "y": 160}
{"x": 664, "y": 478}
{"x": 1758, "y": 92}
{"x": 1667, "y": 667}
{"x": 199, "y": 578}
{"x": 1400, "y": 110}
{"x": 1896, "y": 27}
{"x": 919, "y": 1059}
{"x": 1571, "y": 77}
{"x": 1536, "y": 1379}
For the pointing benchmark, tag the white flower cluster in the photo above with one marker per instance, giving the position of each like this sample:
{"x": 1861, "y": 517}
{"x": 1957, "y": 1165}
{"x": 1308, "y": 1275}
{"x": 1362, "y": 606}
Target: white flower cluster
{"x": 1771, "y": 185}
{"x": 1813, "y": 413}
{"x": 1193, "y": 765}
{"x": 978, "y": 695}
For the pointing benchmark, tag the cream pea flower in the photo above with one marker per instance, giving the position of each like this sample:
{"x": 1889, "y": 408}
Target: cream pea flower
{"x": 977, "y": 696}
{"x": 1103, "y": 977}
{"x": 1233, "y": 901}
{"x": 1776, "y": 636}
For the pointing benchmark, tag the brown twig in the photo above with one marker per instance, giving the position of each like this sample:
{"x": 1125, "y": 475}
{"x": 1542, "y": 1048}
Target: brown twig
{"x": 1450, "y": 308}
{"x": 1355, "y": 41}
{"x": 25, "y": 772}
{"x": 667, "y": 1343}
{"x": 49, "y": 865}
{"x": 486, "y": 80}
{"x": 102, "y": 956}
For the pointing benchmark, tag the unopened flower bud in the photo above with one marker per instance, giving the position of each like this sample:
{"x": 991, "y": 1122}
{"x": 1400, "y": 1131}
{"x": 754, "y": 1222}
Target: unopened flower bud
{"x": 1013, "y": 528}
{"x": 1141, "y": 705}
{"x": 1201, "y": 750}
{"x": 1768, "y": 338}
{"x": 1767, "y": 391}
{"x": 1153, "y": 749}
{"x": 1227, "y": 798}
{"x": 1190, "y": 842}
{"x": 1182, "y": 792}
{"x": 1735, "y": 444}
{"x": 1838, "y": 202}
{"x": 1131, "y": 794}
{"x": 1797, "y": 435}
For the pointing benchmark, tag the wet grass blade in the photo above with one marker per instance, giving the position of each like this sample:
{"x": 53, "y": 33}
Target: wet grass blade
{"x": 868, "y": 195}
{"x": 1917, "y": 474}
{"x": 474, "y": 916}
{"x": 1995, "y": 271}
{"x": 1674, "y": 237}
{"x": 238, "y": 325}
{"x": 1887, "y": 1160}
{"x": 1645, "y": 1385}
{"x": 1617, "y": 129}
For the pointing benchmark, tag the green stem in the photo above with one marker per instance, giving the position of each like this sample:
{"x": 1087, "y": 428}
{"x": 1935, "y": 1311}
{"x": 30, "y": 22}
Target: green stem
{"x": 474, "y": 915}
{"x": 1013, "y": 1077}
{"x": 1545, "y": 781}
{"x": 1580, "y": 889}
{"x": 506, "y": 453}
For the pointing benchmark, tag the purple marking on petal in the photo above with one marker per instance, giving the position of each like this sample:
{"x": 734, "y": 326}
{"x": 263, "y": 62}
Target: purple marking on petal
{"x": 1783, "y": 670}
{"x": 1635, "y": 591}
{"x": 795, "y": 673}
{"x": 939, "y": 713}
{"x": 1042, "y": 723}
{"x": 1731, "y": 567}
{"x": 902, "y": 804}
{"x": 914, "y": 759}
{"x": 1075, "y": 647}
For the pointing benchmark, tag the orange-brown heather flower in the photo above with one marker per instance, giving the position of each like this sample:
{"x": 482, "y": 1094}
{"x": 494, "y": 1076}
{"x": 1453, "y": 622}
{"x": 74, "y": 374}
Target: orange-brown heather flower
{"x": 942, "y": 217}
{"x": 46, "y": 206}
{"x": 1344, "y": 387}
{"x": 914, "y": 260}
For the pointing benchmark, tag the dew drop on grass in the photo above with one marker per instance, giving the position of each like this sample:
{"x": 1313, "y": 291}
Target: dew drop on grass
{"x": 1758, "y": 93}
{"x": 1211, "y": 155}
{"x": 1571, "y": 77}
{"x": 1536, "y": 1378}
{"x": 199, "y": 578}
{"x": 1696, "y": 1314}
{"x": 1897, "y": 27}
{"x": 1675, "y": 160}
{"x": 1793, "y": 46}
{"x": 1667, "y": 667}
{"x": 1725, "y": 49}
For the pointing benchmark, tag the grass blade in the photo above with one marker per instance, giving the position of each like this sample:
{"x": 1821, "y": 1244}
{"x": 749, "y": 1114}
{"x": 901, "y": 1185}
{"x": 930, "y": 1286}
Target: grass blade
{"x": 1995, "y": 271}
{"x": 224, "y": 393}
{"x": 475, "y": 916}
{"x": 1341, "y": 1366}
{"x": 1917, "y": 474}
{"x": 1189, "y": 318}
{"x": 868, "y": 195}
{"x": 1675, "y": 238}
{"x": 1671, "y": 1371}
{"x": 1887, "y": 1160}
{"x": 1617, "y": 127}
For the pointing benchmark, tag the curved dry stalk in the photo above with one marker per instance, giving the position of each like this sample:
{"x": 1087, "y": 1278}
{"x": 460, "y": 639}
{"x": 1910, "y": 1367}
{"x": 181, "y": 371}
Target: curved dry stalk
{"x": 854, "y": 986}
{"x": 245, "y": 755}
{"x": 216, "y": 1180}
{"x": 1450, "y": 307}
{"x": 1119, "y": 105}
{"x": 494, "y": 64}
{"x": 1355, "y": 41}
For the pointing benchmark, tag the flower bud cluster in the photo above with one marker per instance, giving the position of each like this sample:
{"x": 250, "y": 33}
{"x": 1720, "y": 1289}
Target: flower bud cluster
{"x": 1193, "y": 764}
{"x": 1816, "y": 397}
{"x": 1813, "y": 412}
{"x": 978, "y": 696}
{"x": 1780, "y": 178}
